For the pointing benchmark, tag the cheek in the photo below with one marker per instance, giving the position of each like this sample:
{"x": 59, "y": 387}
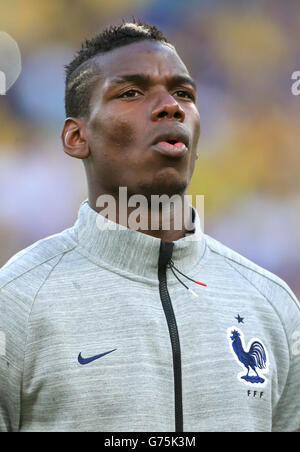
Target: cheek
{"x": 197, "y": 129}
{"x": 114, "y": 132}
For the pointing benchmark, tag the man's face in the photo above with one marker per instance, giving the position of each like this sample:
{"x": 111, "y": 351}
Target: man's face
{"x": 129, "y": 114}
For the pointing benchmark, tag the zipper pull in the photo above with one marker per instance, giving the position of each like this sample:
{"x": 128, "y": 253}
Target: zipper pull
{"x": 194, "y": 293}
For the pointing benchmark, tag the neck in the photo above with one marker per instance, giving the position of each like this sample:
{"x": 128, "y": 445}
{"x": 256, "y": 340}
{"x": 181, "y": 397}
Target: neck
{"x": 168, "y": 220}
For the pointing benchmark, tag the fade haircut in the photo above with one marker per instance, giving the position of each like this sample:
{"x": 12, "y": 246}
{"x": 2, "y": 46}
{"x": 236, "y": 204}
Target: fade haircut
{"x": 83, "y": 72}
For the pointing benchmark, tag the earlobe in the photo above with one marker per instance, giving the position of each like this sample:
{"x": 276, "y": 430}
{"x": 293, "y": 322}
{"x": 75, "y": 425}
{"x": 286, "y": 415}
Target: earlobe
{"x": 74, "y": 139}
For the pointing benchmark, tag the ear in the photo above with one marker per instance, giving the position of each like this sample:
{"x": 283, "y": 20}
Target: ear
{"x": 74, "y": 138}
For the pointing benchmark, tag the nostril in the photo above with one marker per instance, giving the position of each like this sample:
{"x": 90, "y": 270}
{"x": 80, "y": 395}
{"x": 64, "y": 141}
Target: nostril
{"x": 162, "y": 114}
{"x": 177, "y": 115}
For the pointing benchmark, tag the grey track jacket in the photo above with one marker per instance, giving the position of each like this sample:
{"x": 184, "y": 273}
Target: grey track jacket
{"x": 98, "y": 334}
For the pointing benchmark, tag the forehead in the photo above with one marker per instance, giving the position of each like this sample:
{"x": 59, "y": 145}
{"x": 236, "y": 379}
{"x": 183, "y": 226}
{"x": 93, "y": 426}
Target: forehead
{"x": 148, "y": 57}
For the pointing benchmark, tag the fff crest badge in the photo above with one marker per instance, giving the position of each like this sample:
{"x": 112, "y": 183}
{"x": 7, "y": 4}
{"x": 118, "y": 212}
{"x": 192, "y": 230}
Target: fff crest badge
{"x": 253, "y": 358}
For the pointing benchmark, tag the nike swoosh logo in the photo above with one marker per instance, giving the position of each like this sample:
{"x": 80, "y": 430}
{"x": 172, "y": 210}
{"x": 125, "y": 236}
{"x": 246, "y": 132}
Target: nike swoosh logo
{"x": 85, "y": 361}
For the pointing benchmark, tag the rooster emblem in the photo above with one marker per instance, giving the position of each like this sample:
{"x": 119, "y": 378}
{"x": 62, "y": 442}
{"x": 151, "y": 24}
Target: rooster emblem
{"x": 255, "y": 358}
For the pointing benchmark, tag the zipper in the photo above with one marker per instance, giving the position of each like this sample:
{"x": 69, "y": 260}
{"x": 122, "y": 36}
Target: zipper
{"x": 165, "y": 255}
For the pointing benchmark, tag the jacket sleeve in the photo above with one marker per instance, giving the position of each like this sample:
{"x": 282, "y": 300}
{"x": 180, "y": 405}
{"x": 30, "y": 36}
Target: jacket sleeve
{"x": 10, "y": 381}
{"x": 11, "y": 338}
{"x": 286, "y": 416}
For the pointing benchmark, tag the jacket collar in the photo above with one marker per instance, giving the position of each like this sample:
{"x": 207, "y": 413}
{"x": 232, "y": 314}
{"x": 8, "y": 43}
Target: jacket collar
{"x": 126, "y": 250}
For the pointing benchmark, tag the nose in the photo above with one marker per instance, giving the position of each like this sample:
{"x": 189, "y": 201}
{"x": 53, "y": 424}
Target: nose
{"x": 167, "y": 108}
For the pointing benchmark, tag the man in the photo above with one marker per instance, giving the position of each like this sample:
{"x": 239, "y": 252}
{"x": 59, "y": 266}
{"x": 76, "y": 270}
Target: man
{"x": 99, "y": 331}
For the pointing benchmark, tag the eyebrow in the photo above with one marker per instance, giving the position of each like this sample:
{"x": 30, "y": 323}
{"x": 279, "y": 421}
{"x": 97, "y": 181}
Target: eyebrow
{"x": 145, "y": 80}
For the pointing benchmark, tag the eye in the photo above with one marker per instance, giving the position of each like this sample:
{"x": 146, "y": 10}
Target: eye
{"x": 186, "y": 94}
{"x": 130, "y": 93}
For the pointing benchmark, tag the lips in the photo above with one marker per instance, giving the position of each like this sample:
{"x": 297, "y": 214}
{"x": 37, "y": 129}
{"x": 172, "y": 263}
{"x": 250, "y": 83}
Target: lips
{"x": 171, "y": 145}
{"x": 171, "y": 150}
{"x": 172, "y": 138}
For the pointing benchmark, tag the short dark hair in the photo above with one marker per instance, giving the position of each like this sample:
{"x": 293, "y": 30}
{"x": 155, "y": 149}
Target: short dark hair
{"x": 82, "y": 73}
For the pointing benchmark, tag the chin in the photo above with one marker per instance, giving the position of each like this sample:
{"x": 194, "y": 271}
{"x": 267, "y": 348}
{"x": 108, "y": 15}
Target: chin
{"x": 164, "y": 187}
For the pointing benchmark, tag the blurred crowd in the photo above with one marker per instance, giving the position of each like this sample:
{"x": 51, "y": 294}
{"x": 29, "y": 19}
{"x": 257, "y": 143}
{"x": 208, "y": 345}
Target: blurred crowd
{"x": 242, "y": 55}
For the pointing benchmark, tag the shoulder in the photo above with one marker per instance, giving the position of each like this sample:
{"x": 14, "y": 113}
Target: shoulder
{"x": 21, "y": 278}
{"x": 272, "y": 288}
{"x": 23, "y": 274}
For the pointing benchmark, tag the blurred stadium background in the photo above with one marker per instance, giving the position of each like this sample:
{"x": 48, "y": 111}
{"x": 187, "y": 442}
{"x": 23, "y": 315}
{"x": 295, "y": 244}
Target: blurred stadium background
{"x": 242, "y": 55}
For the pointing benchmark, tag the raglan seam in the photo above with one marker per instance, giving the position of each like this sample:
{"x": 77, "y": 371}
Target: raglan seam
{"x": 35, "y": 266}
{"x": 263, "y": 295}
{"x": 258, "y": 272}
{"x": 278, "y": 314}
